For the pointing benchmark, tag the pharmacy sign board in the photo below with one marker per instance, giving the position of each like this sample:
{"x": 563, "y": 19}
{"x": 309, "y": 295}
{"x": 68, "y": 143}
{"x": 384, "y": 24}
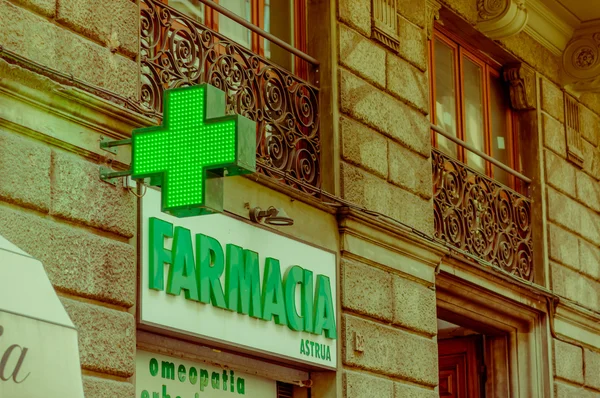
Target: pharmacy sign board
{"x": 223, "y": 279}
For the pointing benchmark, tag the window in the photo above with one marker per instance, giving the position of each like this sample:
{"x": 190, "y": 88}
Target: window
{"x": 284, "y": 19}
{"x": 470, "y": 101}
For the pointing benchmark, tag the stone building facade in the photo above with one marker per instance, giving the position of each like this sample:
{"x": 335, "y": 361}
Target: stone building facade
{"x": 75, "y": 72}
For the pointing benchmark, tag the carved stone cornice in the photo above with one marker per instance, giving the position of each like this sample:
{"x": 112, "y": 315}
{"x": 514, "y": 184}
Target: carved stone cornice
{"x": 581, "y": 60}
{"x": 550, "y": 27}
{"x": 521, "y": 79}
{"x": 433, "y": 14}
{"x": 499, "y": 19}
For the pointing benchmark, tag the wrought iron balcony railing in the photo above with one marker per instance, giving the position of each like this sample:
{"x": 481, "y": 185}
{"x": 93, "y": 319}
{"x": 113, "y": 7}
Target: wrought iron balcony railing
{"x": 478, "y": 215}
{"x": 178, "y": 51}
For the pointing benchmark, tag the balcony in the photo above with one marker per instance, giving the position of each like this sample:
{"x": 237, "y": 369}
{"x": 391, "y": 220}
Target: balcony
{"x": 178, "y": 51}
{"x": 480, "y": 216}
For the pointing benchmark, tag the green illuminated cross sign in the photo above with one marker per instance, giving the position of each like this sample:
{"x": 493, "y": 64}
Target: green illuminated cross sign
{"x": 195, "y": 144}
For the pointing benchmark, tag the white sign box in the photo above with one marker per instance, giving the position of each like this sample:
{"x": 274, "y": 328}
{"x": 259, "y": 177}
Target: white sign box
{"x": 226, "y": 280}
{"x": 167, "y": 377}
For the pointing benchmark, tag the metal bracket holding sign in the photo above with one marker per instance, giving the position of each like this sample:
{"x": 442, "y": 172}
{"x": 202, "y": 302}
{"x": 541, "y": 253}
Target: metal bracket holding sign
{"x": 107, "y": 174}
{"x": 196, "y": 145}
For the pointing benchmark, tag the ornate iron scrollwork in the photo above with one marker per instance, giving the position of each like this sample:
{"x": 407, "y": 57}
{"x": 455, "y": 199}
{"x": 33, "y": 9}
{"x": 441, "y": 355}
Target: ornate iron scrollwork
{"x": 482, "y": 217}
{"x": 177, "y": 51}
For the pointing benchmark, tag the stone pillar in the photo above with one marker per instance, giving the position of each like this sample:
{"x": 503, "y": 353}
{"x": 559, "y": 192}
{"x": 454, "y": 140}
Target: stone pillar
{"x": 388, "y": 310}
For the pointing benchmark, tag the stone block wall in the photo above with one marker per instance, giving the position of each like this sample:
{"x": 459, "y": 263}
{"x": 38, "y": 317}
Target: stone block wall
{"x": 388, "y": 333}
{"x": 54, "y": 207}
{"x": 384, "y": 101}
{"x": 93, "y": 41}
{"x": 576, "y": 371}
{"x": 573, "y": 201}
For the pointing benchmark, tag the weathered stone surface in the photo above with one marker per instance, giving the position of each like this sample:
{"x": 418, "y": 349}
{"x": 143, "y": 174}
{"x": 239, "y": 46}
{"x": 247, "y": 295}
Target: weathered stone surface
{"x": 360, "y": 385}
{"x": 576, "y": 287}
{"x": 590, "y": 225}
{"x": 592, "y": 368}
{"x": 25, "y": 171}
{"x": 407, "y": 82}
{"x": 562, "y": 390}
{"x": 365, "y": 189}
{"x": 367, "y": 290}
{"x": 407, "y": 391}
{"x": 590, "y": 125}
{"x": 591, "y": 159}
{"x": 384, "y": 113}
{"x": 44, "y": 7}
{"x": 95, "y": 387}
{"x": 410, "y": 171}
{"x": 465, "y": 8}
{"x": 553, "y": 100}
{"x": 589, "y": 295}
{"x": 413, "y": 10}
{"x": 364, "y": 146}
{"x": 564, "y": 246}
{"x": 568, "y": 361}
{"x": 531, "y": 51}
{"x": 362, "y": 56}
{"x": 588, "y": 190}
{"x": 573, "y": 215}
{"x": 591, "y": 100}
{"x": 75, "y": 260}
{"x": 390, "y": 351}
{"x": 564, "y": 210}
{"x": 100, "y": 66}
{"x": 564, "y": 281}
{"x": 376, "y": 194}
{"x": 114, "y": 23}
{"x": 554, "y": 135}
{"x": 356, "y": 13}
{"x": 414, "y": 306}
{"x": 106, "y": 337}
{"x": 413, "y": 43}
{"x": 560, "y": 173}
{"x": 412, "y": 210}
{"x": 589, "y": 259}
{"x": 61, "y": 49}
{"x": 79, "y": 195}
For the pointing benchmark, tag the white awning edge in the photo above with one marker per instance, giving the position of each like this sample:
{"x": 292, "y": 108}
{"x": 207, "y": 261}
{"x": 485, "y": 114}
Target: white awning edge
{"x": 36, "y": 333}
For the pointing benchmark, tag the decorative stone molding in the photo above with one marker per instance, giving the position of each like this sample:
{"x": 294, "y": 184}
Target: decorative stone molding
{"x": 499, "y": 19}
{"x": 521, "y": 79}
{"x": 552, "y": 28}
{"x": 581, "y": 60}
{"x": 384, "y": 26}
{"x": 433, "y": 14}
{"x": 573, "y": 127}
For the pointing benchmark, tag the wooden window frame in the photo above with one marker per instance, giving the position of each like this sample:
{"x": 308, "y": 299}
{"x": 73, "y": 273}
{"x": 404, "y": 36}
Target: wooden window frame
{"x": 257, "y": 18}
{"x": 490, "y": 68}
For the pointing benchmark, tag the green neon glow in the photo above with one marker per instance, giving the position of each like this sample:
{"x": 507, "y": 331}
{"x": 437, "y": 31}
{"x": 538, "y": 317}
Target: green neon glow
{"x": 196, "y": 142}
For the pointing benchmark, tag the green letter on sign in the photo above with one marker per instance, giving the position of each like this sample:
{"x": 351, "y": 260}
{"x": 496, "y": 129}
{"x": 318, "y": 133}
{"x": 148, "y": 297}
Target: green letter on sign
{"x": 242, "y": 281}
{"x": 324, "y": 315}
{"x": 273, "y": 300}
{"x": 292, "y": 279}
{"x": 307, "y": 301}
{"x": 182, "y": 273}
{"x": 210, "y": 268}
{"x": 196, "y": 137}
{"x": 159, "y": 256}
